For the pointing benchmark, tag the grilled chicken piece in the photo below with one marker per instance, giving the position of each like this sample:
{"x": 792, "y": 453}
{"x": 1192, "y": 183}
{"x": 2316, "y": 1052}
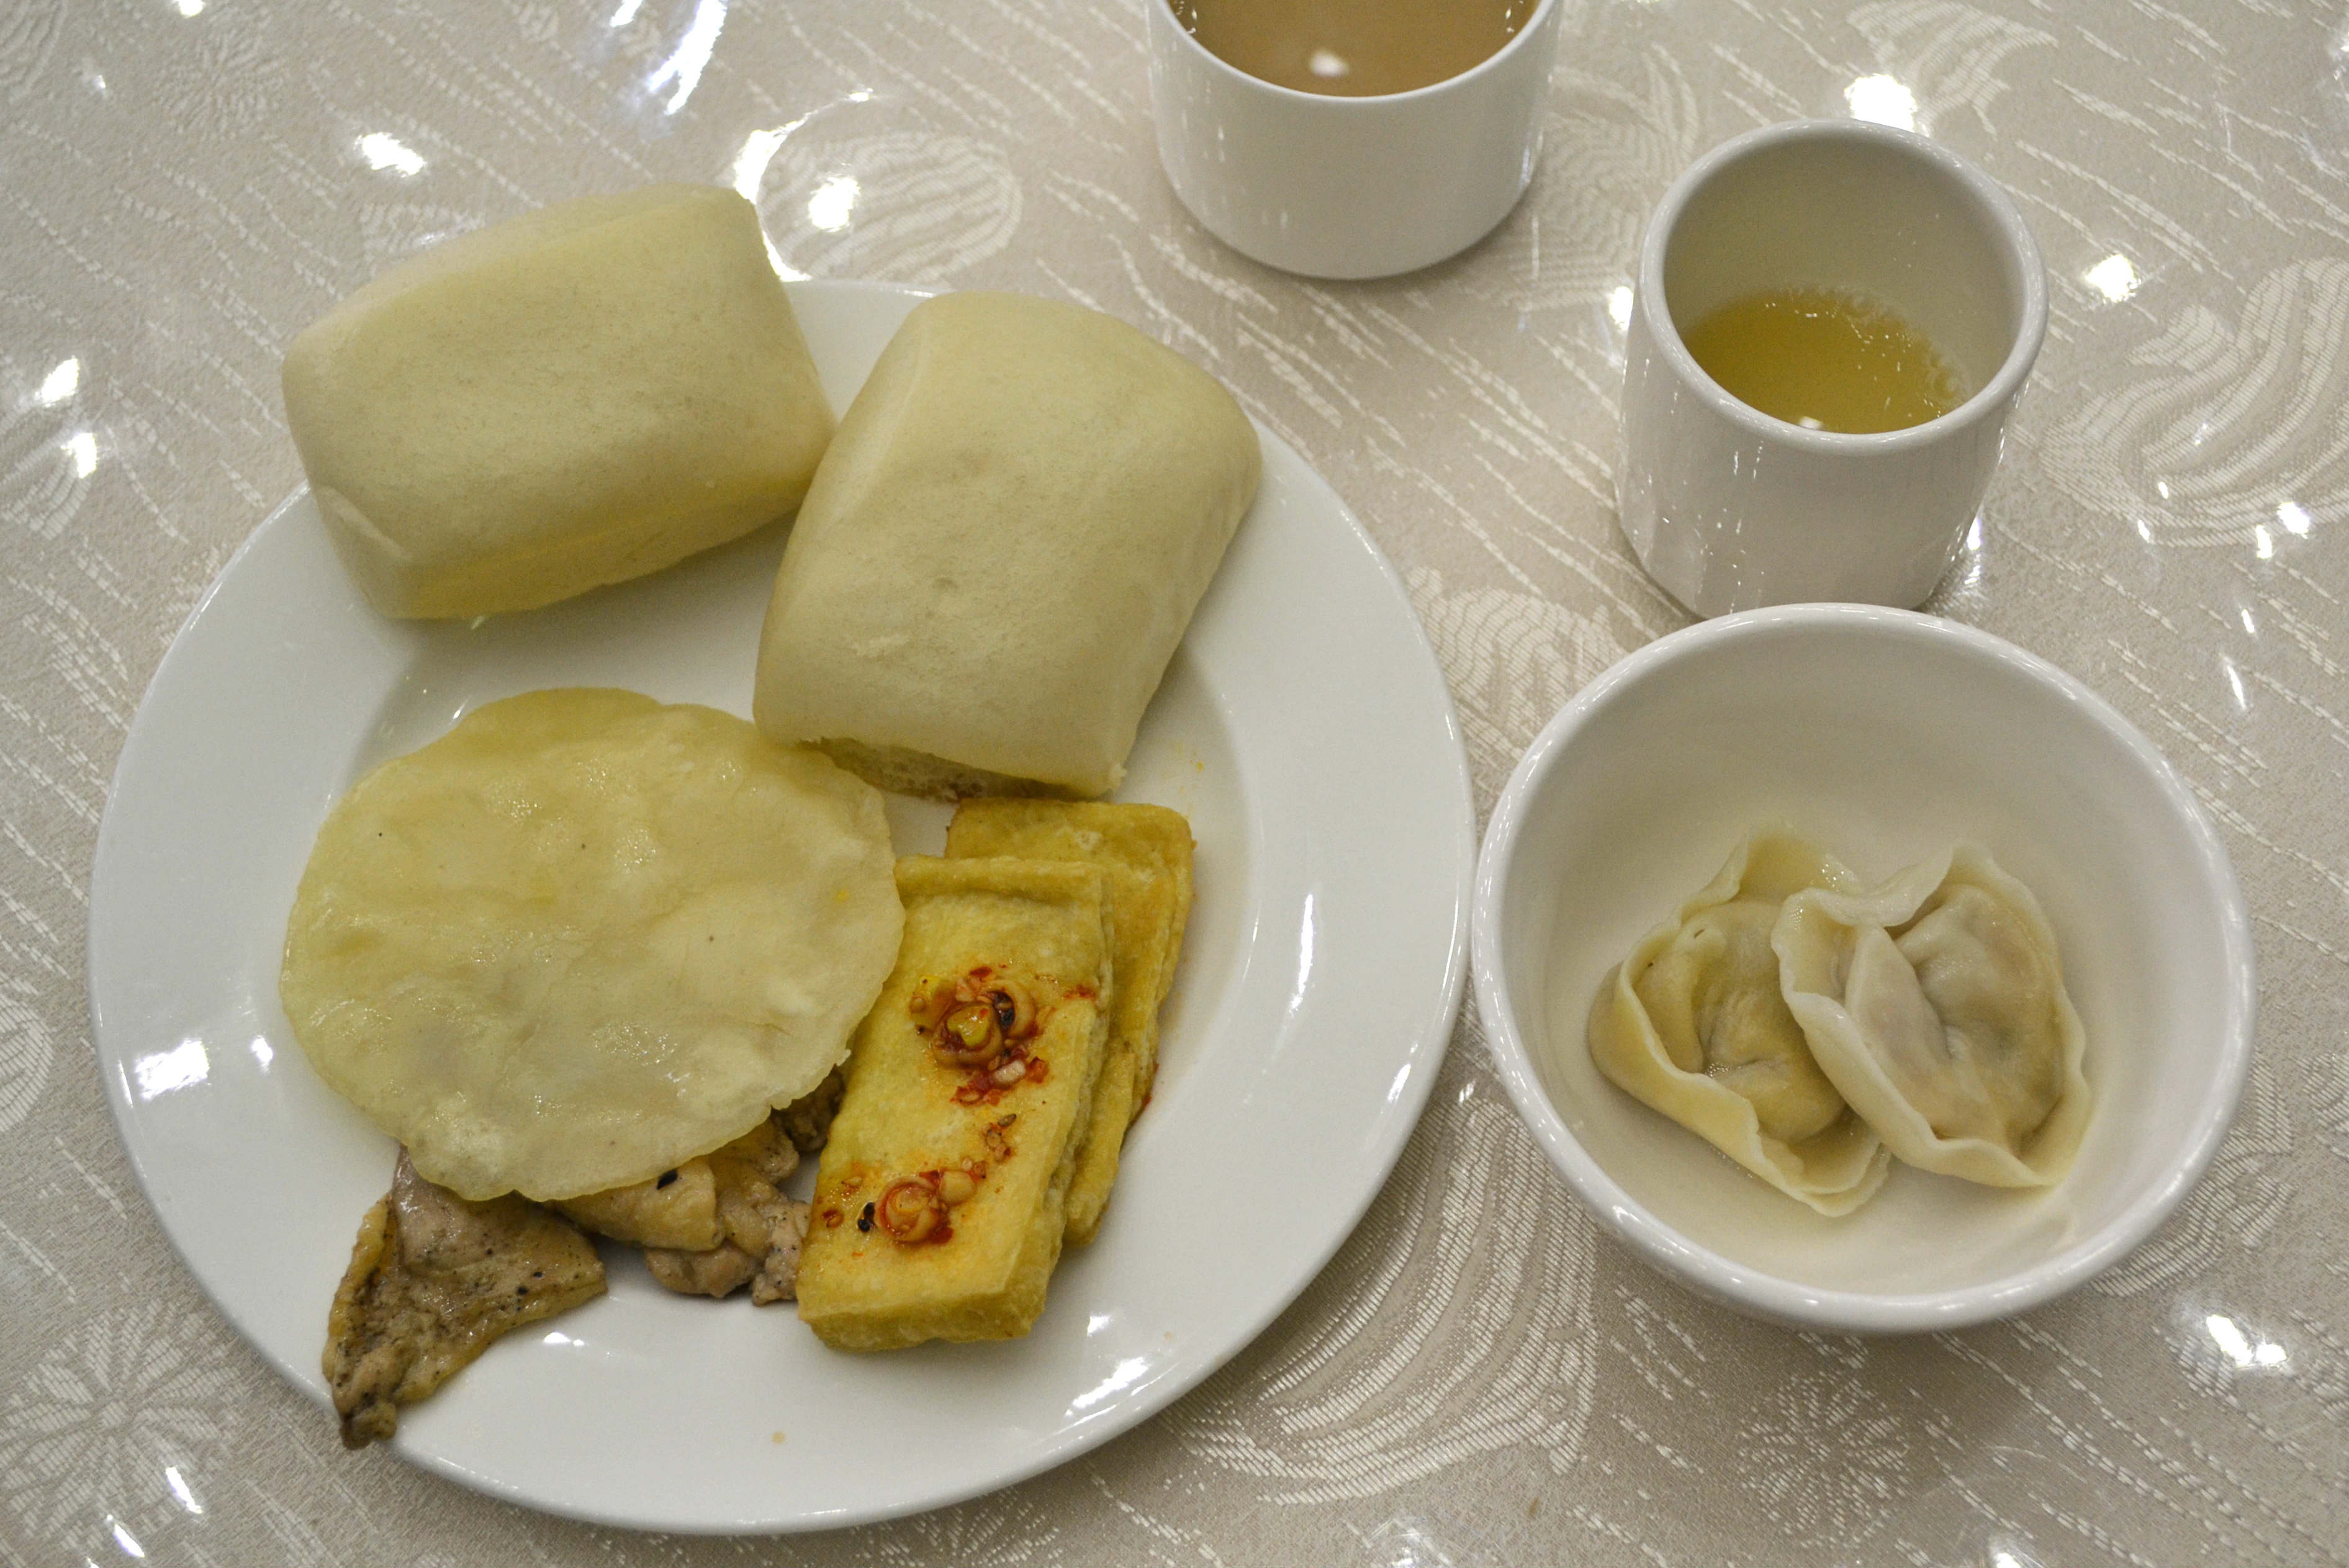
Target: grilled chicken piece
{"x": 765, "y": 1153}
{"x": 779, "y": 1276}
{"x": 807, "y": 1120}
{"x": 433, "y": 1279}
{"x": 719, "y": 1271}
{"x": 676, "y": 1208}
{"x": 771, "y": 1267}
{"x": 762, "y": 1227}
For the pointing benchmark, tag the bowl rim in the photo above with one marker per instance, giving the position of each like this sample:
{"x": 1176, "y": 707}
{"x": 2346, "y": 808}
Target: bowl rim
{"x": 1739, "y": 1284}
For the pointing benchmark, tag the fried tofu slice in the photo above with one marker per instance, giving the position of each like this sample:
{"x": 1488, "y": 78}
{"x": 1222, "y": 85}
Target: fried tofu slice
{"x": 1144, "y": 855}
{"x": 433, "y": 1279}
{"x": 940, "y": 1205}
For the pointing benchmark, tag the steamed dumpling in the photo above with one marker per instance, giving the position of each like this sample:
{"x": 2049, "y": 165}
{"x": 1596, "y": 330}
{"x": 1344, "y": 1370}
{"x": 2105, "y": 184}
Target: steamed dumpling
{"x": 1693, "y": 1025}
{"x": 1936, "y": 1004}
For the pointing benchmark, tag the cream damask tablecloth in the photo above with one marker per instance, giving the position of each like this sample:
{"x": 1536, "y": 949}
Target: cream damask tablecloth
{"x": 1479, "y": 1376}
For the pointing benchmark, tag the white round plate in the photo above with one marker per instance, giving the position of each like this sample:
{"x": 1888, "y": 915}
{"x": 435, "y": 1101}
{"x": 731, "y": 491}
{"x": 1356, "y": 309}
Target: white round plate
{"x": 1305, "y": 729}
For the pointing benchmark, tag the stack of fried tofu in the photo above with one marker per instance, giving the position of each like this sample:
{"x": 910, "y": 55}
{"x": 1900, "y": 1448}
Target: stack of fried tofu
{"x": 960, "y": 1163}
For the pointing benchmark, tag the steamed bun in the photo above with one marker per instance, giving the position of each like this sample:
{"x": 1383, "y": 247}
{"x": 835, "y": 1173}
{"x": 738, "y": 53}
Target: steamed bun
{"x": 1002, "y": 551}
{"x": 572, "y": 397}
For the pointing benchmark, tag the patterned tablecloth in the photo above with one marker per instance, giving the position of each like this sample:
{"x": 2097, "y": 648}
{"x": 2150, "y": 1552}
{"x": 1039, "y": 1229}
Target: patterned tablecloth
{"x": 1479, "y": 1376}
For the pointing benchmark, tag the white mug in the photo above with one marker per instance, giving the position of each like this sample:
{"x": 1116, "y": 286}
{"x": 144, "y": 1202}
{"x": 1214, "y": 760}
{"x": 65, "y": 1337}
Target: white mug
{"x": 1349, "y": 187}
{"x": 1729, "y": 509}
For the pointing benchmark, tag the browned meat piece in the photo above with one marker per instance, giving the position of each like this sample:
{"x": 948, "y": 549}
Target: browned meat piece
{"x": 718, "y": 1272}
{"x": 807, "y": 1120}
{"x": 677, "y": 1209}
{"x": 433, "y": 1279}
{"x": 765, "y": 1153}
{"x": 779, "y": 1276}
{"x": 762, "y": 1227}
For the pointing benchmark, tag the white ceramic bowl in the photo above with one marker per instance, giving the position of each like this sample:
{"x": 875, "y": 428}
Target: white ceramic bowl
{"x": 1885, "y": 735}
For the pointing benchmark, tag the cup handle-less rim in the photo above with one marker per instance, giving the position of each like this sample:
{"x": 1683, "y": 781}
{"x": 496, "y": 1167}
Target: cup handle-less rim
{"x": 1354, "y": 103}
{"x": 1990, "y": 402}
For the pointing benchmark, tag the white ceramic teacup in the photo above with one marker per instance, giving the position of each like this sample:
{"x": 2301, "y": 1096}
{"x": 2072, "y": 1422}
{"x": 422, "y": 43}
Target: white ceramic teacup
{"x": 1349, "y": 187}
{"x": 1729, "y": 508}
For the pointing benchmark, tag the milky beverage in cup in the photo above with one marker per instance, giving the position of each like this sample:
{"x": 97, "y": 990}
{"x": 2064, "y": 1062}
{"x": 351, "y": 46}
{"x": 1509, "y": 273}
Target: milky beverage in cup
{"x": 1354, "y": 48}
{"x": 1350, "y": 139}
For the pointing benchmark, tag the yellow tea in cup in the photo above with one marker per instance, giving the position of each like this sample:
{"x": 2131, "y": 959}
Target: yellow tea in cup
{"x": 1354, "y": 48}
{"x": 1825, "y": 360}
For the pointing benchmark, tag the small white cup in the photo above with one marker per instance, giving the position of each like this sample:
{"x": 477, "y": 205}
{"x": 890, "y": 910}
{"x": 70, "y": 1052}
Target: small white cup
{"x": 1349, "y": 187}
{"x": 1729, "y": 509}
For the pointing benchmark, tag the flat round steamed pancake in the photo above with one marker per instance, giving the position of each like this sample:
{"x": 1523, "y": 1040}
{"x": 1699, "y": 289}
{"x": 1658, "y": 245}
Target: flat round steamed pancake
{"x": 583, "y": 937}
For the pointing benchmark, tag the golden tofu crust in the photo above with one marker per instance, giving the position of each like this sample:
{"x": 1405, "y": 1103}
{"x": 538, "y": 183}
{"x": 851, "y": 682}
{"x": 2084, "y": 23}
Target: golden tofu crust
{"x": 1145, "y": 853}
{"x": 939, "y": 1205}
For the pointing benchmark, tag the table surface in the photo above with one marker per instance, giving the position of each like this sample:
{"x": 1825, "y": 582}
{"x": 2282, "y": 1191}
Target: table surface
{"x": 1479, "y": 1376}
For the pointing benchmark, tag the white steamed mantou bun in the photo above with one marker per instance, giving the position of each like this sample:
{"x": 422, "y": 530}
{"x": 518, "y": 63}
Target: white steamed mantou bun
{"x": 575, "y": 396}
{"x": 1693, "y": 1023}
{"x": 583, "y": 937}
{"x": 1936, "y": 1004}
{"x": 1002, "y": 550}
